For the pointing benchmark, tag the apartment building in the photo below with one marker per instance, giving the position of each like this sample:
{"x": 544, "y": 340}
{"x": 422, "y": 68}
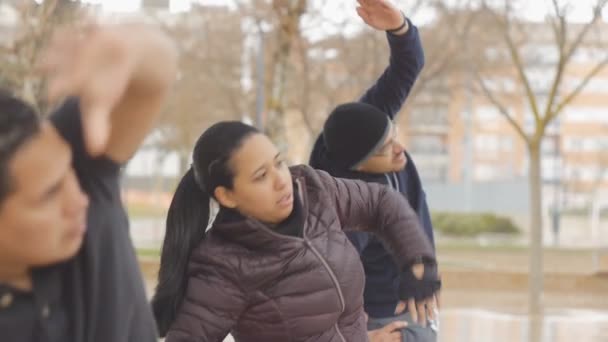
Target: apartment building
{"x": 457, "y": 134}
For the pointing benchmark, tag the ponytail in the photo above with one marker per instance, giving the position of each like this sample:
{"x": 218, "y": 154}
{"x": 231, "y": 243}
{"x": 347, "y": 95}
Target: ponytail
{"x": 187, "y": 221}
{"x": 188, "y": 215}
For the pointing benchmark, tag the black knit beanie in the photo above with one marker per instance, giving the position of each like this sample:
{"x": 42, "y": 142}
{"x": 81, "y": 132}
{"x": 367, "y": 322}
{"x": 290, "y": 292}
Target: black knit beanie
{"x": 353, "y": 132}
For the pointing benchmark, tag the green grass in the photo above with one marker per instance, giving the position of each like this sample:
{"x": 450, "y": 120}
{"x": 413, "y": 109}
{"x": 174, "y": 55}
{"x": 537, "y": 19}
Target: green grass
{"x": 584, "y": 212}
{"x": 473, "y": 246}
{"x": 139, "y": 210}
{"x": 148, "y": 252}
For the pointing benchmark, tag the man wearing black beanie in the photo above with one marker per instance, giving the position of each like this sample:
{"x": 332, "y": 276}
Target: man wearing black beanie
{"x": 359, "y": 141}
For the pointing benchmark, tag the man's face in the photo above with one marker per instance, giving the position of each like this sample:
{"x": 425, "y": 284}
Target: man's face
{"x": 389, "y": 158}
{"x": 43, "y": 218}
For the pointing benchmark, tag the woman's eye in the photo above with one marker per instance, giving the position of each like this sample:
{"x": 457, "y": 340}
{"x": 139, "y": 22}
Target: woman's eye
{"x": 260, "y": 177}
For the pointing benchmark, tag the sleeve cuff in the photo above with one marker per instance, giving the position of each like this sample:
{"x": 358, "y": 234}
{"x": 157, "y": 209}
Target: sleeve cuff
{"x": 411, "y": 33}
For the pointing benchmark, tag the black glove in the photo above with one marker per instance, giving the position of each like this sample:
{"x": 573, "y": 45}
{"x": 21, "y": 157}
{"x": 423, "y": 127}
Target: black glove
{"x": 423, "y": 288}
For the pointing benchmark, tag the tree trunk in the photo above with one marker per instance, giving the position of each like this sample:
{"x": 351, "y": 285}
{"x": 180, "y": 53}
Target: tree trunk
{"x": 289, "y": 14}
{"x": 275, "y": 124}
{"x": 536, "y": 244}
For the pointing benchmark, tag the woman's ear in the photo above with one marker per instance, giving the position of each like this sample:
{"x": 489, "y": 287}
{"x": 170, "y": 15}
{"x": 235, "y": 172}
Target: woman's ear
{"x": 225, "y": 197}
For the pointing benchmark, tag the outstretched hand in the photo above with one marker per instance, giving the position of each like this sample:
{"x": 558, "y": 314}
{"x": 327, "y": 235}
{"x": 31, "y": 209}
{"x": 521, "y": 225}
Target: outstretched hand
{"x": 380, "y": 14}
{"x": 95, "y": 65}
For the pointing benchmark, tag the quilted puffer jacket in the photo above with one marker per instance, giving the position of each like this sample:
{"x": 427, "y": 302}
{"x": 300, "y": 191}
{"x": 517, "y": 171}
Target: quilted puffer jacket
{"x": 261, "y": 286}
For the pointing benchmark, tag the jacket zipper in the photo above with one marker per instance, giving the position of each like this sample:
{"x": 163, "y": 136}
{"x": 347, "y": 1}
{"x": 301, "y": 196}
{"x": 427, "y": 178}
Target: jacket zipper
{"x": 318, "y": 255}
{"x": 333, "y": 278}
{"x": 331, "y": 273}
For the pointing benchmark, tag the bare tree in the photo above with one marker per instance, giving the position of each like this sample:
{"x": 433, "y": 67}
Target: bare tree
{"x": 209, "y": 86}
{"x": 288, "y": 14}
{"x": 277, "y": 23}
{"x": 337, "y": 67}
{"x": 19, "y": 55}
{"x": 443, "y": 43}
{"x": 515, "y": 36}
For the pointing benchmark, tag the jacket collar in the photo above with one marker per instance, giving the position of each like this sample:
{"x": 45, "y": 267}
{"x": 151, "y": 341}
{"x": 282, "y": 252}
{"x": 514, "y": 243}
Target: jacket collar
{"x": 251, "y": 233}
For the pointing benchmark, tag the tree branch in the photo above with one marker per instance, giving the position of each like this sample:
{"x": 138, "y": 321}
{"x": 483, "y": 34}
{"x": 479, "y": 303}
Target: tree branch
{"x": 446, "y": 59}
{"x": 501, "y": 108}
{"x": 559, "y": 28}
{"x": 516, "y": 58}
{"x": 521, "y": 72}
{"x": 306, "y": 86}
{"x": 577, "y": 90}
{"x": 597, "y": 14}
{"x": 560, "y": 39}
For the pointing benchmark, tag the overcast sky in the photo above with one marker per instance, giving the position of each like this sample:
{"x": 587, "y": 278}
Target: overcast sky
{"x": 535, "y": 9}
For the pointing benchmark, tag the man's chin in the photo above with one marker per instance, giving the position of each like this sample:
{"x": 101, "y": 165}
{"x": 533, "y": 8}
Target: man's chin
{"x": 70, "y": 248}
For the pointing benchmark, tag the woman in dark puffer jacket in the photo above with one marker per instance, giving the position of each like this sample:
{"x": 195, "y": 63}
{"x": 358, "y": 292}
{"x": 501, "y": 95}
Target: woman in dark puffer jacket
{"x": 275, "y": 264}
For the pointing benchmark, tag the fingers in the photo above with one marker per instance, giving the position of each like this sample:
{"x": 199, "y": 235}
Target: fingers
{"x": 59, "y": 63}
{"x": 386, "y": 5}
{"x": 61, "y": 85}
{"x": 57, "y": 55}
{"x": 395, "y": 326}
{"x": 438, "y": 299}
{"x": 394, "y": 336}
{"x": 96, "y": 125}
{"x": 422, "y": 313}
{"x": 89, "y": 25}
{"x": 374, "y": 4}
{"x": 364, "y": 14}
{"x": 431, "y": 307}
{"x": 411, "y": 305}
{"x": 400, "y": 307}
{"x": 389, "y": 333}
{"x": 392, "y": 332}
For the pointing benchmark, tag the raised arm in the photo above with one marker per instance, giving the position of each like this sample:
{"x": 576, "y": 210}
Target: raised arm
{"x": 121, "y": 75}
{"x": 406, "y": 61}
{"x": 378, "y": 209}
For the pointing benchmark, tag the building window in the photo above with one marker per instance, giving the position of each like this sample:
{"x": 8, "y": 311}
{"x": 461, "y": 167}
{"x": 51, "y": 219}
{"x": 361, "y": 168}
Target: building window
{"x": 584, "y": 172}
{"x": 432, "y": 173}
{"x": 487, "y": 113}
{"x": 492, "y": 172}
{"x": 427, "y": 144}
{"x": 585, "y": 144}
{"x": 590, "y": 115}
{"x": 573, "y": 144}
{"x": 487, "y": 143}
{"x": 489, "y": 116}
{"x": 429, "y": 115}
{"x": 493, "y": 143}
{"x": 551, "y": 168}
